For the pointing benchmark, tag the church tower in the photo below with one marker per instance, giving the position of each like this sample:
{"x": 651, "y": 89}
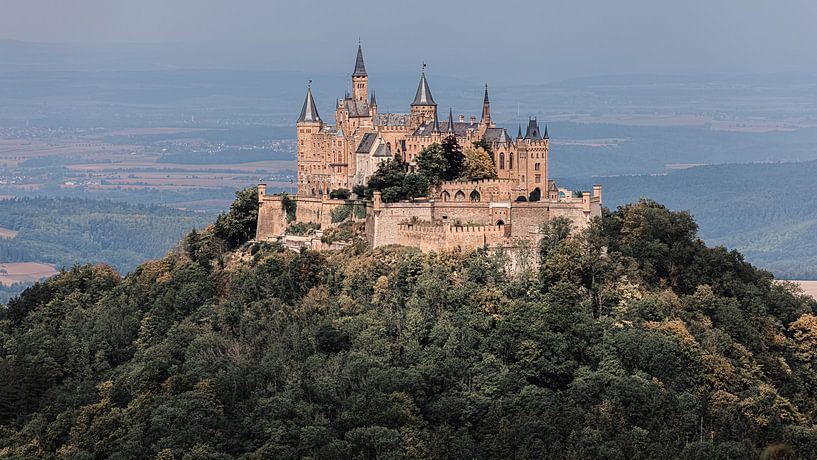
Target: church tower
{"x": 423, "y": 109}
{"x": 360, "y": 79}
{"x": 486, "y": 110}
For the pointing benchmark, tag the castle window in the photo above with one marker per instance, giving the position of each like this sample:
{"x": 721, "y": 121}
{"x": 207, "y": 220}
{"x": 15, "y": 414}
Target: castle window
{"x": 536, "y": 166}
{"x": 510, "y": 161}
{"x": 459, "y": 196}
{"x": 475, "y": 196}
{"x": 538, "y": 178}
{"x": 501, "y": 161}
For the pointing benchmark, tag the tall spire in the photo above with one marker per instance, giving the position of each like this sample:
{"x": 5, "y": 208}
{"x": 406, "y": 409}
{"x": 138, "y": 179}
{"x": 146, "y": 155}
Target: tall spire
{"x": 519, "y": 133}
{"x": 486, "y": 108}
{"x": 373, "y": 102}
{"x": 309, "y": 112}
{"x": 423, "y": 96}
{"x": 436, "y": 127}
{"x": 450, "y": 120}
{"x": 360, "y": 68}
{"x": 546, "y": 132}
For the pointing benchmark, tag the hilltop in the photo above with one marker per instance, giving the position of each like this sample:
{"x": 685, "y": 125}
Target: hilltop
{"x": 629, "y": 339}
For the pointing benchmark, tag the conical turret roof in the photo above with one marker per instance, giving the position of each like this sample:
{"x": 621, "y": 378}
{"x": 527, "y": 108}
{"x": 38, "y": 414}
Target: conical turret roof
{"x": 309, "y": 112}
{"x": 423, "y": 96}
{"x": 485, "y": 100}
{"x": 360, "y": 67}
{"x": 450, "y": 120}
{"x": 546, "y": 132}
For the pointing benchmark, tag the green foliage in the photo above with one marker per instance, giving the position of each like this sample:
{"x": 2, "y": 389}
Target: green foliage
{"x": 395, "y": 183}
{"x": 455, "y": 158}
{"x": 636, "y": 339}
{"x": 290, "y": 206}
{"x": 414, "y": 185}
{"x": 478, "y": 165}
{"x": 340, "y": 194}
{"x": 432, "y": 163}
{"x": 535, "y": 195}
{"x": 486, "y": 146}
{"x": 341, "y": 213}
{"x": 238, "y": 225}
{"x": 302, "y": 228}
{"x": 359, "y": 190}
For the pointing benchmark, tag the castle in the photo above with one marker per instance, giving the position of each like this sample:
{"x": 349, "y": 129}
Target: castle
{"x": 468, "y": 214}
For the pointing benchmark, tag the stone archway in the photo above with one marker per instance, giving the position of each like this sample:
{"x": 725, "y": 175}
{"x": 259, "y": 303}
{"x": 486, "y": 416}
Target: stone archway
{"x": 445, "y": 196}
{"x": 459, "y": 196}
{"x": 475, "y": 197}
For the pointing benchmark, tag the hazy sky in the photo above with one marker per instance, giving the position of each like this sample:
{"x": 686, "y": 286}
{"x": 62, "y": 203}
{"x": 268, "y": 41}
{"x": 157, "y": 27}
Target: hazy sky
{"x": 525, "y": 40}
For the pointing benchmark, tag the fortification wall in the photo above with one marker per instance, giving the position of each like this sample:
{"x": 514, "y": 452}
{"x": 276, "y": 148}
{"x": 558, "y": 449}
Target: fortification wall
{"x": 436, "y": 237}
{"x": 271, "y": 215}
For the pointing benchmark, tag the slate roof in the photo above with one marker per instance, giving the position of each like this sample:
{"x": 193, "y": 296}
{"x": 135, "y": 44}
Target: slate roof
{"x": 423, "y": 96}
{"x": 460, "y": 129}
{"x": 497, "y": 135}
{"x": 360, "y": 68}
{"x": 356, "y": 108}
{"x": 309, "y": 112}
{"x": 533, "y": 130}
{"x": 382, "y": 151}
{"x": 366, "y": 143}
{"x": 392, "y": 119}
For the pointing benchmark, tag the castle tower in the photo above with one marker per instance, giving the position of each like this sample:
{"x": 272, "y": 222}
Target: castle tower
{"x": 423, "y": 108}
{"x": 373, "y": 106}
{"x": 308, "y": 124}
{"x": 360, "y": 79}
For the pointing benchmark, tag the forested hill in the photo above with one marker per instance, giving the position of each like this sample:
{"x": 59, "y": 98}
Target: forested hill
{"x": 766, "y": 210}
{"x": 658, "y": 347}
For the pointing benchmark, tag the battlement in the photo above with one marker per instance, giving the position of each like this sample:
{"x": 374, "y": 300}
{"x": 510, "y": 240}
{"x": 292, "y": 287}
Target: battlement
{"x": 432, "y": 227}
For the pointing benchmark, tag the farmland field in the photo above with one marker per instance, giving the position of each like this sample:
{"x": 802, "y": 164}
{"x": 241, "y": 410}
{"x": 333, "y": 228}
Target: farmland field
{"x": 24, "y": 272}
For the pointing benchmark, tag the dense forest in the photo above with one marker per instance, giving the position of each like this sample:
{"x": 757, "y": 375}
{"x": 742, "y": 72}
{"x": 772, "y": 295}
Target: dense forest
{"x": 764, "y": 210}
{"x": 629, "y": 339}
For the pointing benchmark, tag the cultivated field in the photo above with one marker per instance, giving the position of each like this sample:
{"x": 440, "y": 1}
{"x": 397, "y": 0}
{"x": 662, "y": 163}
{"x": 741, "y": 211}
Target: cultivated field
{"x": 7, "y": 234}
{"x": 809, "y": 287}
{"x": 24, "y": 272}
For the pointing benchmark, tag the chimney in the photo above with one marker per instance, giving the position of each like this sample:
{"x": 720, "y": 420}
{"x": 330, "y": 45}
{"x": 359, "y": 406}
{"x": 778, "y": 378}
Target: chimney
{"x": 472, "y": 119}
{"x": 462, "y": 118}
{"x": 597, "y": 192}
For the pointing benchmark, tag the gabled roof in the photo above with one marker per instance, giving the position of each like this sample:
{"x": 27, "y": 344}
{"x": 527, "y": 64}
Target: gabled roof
{"x": 497, "y": 135}
{"x": 423, "y": 96}
{"x": 366, "y": 143}
{"x": 533, "y": 130}
{"x": 309, "y": 112}
{"x": 360, "y": 68}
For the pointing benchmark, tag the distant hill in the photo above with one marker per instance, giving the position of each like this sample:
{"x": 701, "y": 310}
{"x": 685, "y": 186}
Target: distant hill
{"x": 768, "y": 211}
{"x": 68, "y": 231}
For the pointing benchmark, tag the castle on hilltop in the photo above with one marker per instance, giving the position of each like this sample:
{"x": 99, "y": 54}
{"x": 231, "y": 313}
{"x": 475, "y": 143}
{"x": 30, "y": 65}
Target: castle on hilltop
{"x": 468, "y": 214}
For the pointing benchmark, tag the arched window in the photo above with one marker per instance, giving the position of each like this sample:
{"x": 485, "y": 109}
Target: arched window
{"x": 475, "y": 196}
{"x": 445, "y": 196}
{"x": 535, "y": 195}
{"x": 500, "y": 223}
{"x": 510, "y": 161}
{"x": 459, "y": 196}
{"x": 501, "y": 161}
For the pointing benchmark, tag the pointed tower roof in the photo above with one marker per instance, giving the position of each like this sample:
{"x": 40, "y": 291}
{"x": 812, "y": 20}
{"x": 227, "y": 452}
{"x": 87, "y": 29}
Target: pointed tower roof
{"x": 533, "y": 130}
{"x": 360, "y": 68}
{"x": 436, "y": 126}
{"x": 546, "y": 132}
{"x": 423, "y": 96}
{"x": 373, "y": 102}
{"x": 450, "y": 120}
{"x": 485, "y": 100}
{"x": 309, "y": 112}
{"x": 519, "y": 133}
